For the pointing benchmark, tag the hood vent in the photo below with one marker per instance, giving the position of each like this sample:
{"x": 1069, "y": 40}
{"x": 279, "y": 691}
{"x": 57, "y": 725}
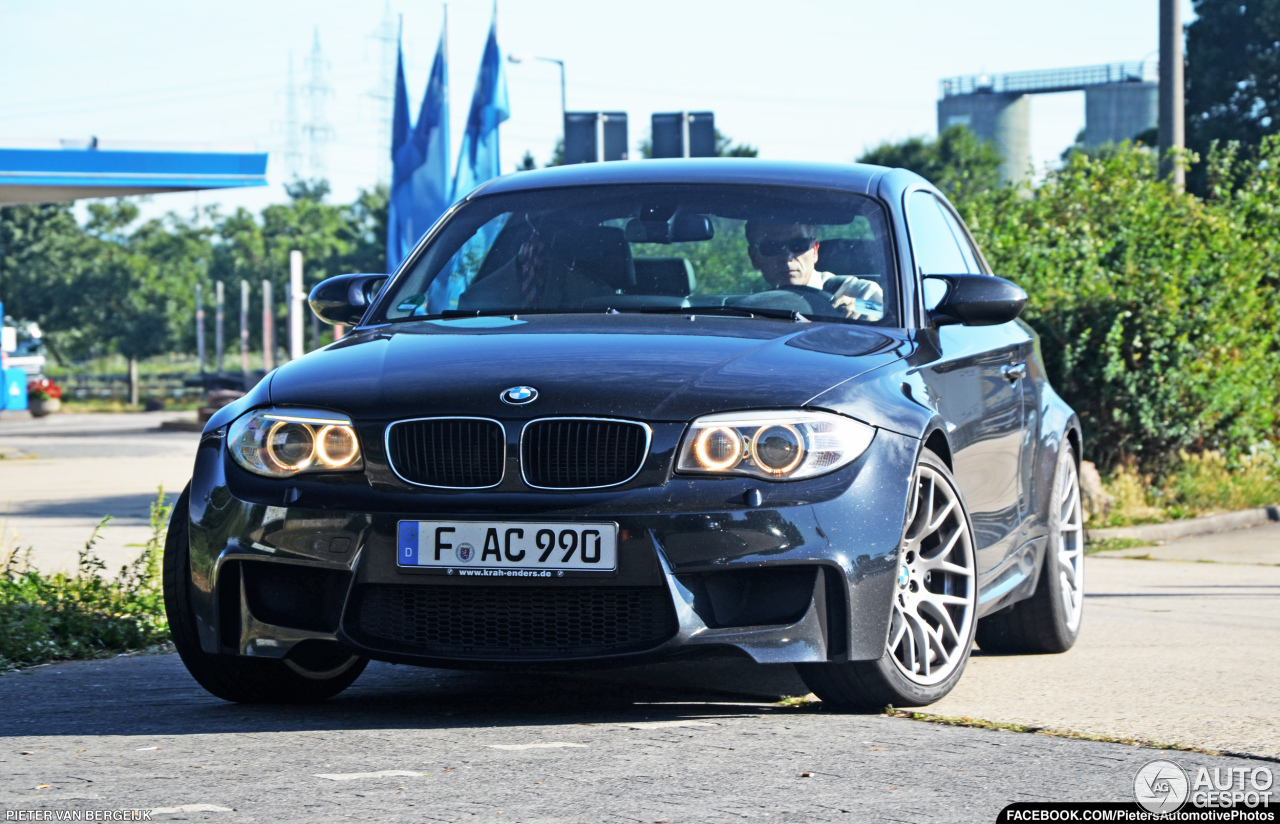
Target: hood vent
{"x": 582, "y": 453}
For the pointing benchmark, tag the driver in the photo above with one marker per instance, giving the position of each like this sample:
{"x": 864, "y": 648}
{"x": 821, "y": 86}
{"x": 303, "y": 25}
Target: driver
{"x": 787, "y": 256}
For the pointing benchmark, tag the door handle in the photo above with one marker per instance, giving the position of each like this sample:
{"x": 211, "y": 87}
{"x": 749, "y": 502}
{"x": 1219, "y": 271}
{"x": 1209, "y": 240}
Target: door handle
{"x": 1014, "y": 372}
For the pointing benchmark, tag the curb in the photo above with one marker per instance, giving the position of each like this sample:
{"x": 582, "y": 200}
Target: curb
{"x": 1192, "y": 526}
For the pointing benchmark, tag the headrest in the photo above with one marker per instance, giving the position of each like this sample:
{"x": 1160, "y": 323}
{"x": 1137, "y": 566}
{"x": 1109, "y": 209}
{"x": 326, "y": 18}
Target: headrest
{"x": 599, "y": 253}
{"x": 851, "y": 256}
{"x": 665, "y": 276}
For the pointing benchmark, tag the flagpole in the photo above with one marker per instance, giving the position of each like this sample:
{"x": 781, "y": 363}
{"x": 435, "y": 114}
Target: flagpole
{"x": 444, "y": 46}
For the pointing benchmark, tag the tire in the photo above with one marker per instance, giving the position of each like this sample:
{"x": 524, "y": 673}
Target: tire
{"x": 934, "y": 608}
{"x": 316, "y": 675}
{"x": 1049, "y": 621}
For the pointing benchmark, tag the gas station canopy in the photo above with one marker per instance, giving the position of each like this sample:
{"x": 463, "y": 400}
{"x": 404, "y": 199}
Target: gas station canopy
{"x": 62, "y": 175}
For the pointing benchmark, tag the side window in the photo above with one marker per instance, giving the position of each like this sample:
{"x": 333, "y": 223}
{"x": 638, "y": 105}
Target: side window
{"x": 970, "y": 258}
{"x": 932, "y": 241}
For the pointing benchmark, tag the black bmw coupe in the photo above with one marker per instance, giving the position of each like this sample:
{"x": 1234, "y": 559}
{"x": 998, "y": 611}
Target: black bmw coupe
{"x": 625, "y": 412}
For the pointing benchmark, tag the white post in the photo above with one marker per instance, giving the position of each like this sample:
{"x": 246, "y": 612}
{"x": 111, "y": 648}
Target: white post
{"x": 244, "y": 326}
{"x": 200, "y": 326}
{"x": 218, "y": 323}
{"x": 295, "y": 305}
{"x": 268, "y": 328}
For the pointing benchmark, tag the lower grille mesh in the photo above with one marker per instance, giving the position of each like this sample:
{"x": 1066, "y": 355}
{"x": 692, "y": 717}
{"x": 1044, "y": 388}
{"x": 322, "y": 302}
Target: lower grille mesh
{"x": 516, "y": 623}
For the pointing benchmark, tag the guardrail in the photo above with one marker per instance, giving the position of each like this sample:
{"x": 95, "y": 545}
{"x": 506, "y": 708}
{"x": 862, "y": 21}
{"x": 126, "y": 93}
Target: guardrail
{"x": 1051, "y": 80}
{"x": 172, "y": 387}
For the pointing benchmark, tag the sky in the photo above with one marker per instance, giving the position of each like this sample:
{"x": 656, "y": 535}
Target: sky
{"x": 801, "y": 79}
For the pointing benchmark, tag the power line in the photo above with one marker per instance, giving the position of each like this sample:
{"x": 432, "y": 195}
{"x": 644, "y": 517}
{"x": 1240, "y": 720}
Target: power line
{"x": 292, "y": 129}
{"x": 317, "y": 127}
{"x": 382, "y": 93}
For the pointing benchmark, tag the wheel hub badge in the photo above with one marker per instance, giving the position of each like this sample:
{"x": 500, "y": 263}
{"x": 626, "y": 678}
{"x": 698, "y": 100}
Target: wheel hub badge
{"x": 904, "y": 576}
{"x": 519, "y": 395}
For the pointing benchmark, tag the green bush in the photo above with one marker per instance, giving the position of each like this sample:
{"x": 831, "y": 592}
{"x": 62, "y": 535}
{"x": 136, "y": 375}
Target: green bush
{"x": 1156, "y": 309}
{"x": 85, "y": 615}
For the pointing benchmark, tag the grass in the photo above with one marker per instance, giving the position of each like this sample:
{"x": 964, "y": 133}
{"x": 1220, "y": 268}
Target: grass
{"x": 981, "y": 724}
{"x": 811, "y": 703}
{"x": 1109, "y": 544}
{"x": 87, "y": 614}
{"x": 1197, "y": 485}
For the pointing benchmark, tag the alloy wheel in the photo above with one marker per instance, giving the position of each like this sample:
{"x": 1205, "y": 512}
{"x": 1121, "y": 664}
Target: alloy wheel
{"x": 933, "y": 609}
{"x": 1069, "y": 548}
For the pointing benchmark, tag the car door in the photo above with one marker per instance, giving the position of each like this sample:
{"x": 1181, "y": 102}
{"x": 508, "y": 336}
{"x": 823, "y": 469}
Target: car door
{"x": 1023, "y": 375}
{"x": 976, "y": 379}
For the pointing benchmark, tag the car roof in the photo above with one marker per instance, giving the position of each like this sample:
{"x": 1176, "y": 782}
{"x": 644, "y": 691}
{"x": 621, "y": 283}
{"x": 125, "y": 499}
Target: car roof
{"x": 851, "y": 177}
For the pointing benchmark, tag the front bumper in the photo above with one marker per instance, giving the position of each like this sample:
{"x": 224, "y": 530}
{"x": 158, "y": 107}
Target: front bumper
{"x": 806, "y": 575}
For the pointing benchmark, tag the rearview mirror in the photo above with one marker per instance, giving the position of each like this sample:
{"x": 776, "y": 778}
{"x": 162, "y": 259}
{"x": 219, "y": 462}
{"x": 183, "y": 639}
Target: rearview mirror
{"x": 973, "y": 300}
{"x": 683, "y": 228}
{"x": 343, "y": 299}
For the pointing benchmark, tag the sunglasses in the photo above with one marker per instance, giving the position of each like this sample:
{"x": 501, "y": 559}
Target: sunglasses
{"x": 794, "y": 246}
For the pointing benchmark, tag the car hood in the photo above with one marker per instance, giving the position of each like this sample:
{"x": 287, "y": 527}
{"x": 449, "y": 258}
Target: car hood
{"x": 657, "y": 368}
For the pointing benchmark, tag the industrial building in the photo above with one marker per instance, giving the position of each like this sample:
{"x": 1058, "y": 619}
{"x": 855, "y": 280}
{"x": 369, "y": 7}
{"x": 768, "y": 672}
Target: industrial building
{"x": 1121, "y": 101}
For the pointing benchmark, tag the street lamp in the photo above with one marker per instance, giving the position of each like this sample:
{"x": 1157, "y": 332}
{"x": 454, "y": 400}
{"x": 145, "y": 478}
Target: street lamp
{"x": 524, "y": 58}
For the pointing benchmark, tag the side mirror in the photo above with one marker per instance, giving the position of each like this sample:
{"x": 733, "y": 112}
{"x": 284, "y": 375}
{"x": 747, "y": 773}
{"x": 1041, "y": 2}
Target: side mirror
{"x": 343, "y": 299}
{"x": 973, "y": 300}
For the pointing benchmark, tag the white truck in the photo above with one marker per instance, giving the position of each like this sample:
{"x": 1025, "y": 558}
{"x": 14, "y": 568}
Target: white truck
{"x": 23, "y": 348}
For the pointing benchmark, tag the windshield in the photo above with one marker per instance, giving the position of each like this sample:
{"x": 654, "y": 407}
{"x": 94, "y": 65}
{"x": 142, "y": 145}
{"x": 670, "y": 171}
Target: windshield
{"x": 746, "y": 250}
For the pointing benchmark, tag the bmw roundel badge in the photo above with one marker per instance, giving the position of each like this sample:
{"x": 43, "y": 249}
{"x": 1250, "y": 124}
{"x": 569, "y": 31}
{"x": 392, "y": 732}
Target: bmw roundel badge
{"x": 519, "y": 395}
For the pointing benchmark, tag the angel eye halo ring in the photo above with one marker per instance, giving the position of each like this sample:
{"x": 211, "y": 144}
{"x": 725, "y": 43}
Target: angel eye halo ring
{"x": 776, "y": 445}
{"x": 718, "y": 448}
{"x": 280, "y": 442}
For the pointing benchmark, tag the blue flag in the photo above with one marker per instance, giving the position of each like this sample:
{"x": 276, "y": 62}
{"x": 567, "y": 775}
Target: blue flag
{"x": 478, "y": 158}
{"x": 401, "y": 168}
{"x": 420, "y": 186}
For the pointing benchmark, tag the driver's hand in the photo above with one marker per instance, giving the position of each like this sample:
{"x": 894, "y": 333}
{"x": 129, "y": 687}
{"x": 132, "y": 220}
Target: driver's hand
{"x": 849, "y": 304}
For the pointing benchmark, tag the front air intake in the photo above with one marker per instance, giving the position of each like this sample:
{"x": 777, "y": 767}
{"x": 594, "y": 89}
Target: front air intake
{"x": 582, "y": 453}
{"x": 513, "y": 623}
{"x": 454, "y": 453}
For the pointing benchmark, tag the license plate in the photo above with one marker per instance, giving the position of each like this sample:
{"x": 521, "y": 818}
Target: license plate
{"x": 508, "y": 549}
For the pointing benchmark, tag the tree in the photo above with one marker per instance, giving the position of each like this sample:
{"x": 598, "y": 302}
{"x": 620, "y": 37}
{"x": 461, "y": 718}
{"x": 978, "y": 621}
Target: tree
{"x": 959, "y": 162}
{"x": 1233, "y": 72}
{"x": 557, "y": 154}
{"x": 725, "y": 147}
{"x": 41, "y": 251}
{"x": 114, "y": 285}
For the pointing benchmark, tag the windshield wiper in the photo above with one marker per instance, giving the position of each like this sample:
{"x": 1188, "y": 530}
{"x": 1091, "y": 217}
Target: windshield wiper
{"x": 736, "y": 311}
{"x": 471, "y": 313}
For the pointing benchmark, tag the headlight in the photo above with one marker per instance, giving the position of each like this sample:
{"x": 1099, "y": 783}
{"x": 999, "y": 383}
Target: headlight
{"x": 280, "y": 443}
{"x": 777, "y": 446}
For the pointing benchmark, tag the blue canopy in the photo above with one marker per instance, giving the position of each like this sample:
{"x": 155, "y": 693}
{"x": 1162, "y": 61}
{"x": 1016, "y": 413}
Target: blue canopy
{"x": 60, "y": 175}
